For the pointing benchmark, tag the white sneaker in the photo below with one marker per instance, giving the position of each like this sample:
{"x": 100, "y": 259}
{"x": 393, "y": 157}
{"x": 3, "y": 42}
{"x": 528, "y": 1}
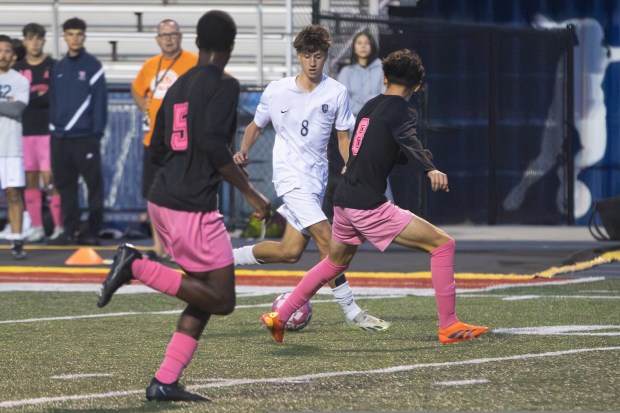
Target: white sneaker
{"x": 58, "y": 231}
{"x": 369, "y": 323}
{"x": 36, "y": 234}
{"x": 6, "y": 232}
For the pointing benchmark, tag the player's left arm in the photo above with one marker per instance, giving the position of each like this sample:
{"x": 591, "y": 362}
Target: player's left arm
{"x": 12, "y": 110}
{"x": 17, "y": 101}
{"x": 406, "y": 134}
{"x": 220, "y": 125}
{"x": 99, "y": 102}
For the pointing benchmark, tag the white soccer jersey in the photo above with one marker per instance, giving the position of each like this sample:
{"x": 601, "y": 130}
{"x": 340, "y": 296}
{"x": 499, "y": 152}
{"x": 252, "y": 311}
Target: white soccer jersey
{"x": 13, "y": 88}
{"x": 303, "y": 123}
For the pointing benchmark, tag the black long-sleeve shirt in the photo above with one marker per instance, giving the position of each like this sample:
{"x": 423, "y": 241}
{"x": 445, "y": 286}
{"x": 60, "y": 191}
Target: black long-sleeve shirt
{"x": 385, "y": 132}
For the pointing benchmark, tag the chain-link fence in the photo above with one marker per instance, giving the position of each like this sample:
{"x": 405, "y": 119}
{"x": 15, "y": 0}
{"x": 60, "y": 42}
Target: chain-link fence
{"x": 495, "y": 113}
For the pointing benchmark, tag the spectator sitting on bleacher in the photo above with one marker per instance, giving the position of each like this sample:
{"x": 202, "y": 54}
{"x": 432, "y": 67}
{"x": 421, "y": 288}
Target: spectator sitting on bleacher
{"x": 149, "y": 88}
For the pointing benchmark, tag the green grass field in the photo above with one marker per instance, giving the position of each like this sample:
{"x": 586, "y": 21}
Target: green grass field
{"x": 50, "y": 339}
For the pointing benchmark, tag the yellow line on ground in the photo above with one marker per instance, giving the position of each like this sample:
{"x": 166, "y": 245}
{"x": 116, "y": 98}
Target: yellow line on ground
{"x": 601, "y": 259}
{"x": 549, "y": 273}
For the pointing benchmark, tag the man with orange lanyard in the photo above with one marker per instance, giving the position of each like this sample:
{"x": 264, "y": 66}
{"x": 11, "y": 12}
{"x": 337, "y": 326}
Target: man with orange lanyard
{"x": 149, "y": 88}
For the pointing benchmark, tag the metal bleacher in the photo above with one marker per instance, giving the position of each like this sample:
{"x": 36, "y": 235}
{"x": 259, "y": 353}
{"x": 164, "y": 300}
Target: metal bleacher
{"x": 122, "y": 34}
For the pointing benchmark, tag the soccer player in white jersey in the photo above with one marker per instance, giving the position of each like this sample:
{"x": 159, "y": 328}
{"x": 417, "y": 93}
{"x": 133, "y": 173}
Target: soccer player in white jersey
{"x": 14, "y": 96}
{"x": 303, "y": 110}
{"x": 385, "y": 132}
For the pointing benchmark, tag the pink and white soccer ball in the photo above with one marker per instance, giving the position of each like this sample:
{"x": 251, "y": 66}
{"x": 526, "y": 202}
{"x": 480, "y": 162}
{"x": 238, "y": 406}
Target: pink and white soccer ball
{"x": 299, "y": 319}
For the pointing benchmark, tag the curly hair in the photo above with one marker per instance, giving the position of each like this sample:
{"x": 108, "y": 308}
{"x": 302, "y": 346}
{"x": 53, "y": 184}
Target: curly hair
{"x": 311, "y": 39}
{"x": 403, "y": 67}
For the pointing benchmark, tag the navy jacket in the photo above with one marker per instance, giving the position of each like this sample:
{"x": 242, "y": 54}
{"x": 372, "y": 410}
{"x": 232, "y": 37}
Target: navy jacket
{"x": 78, "y": 98}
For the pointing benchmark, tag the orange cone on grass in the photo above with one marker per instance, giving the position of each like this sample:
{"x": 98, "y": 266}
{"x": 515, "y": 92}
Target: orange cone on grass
{"x": 84, "y": 256}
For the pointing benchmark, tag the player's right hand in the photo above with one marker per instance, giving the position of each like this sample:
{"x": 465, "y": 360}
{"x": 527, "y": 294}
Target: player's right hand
{"x": 241, "y": 158}
{"x": 439, "y": 180}
{"x": 261, "y": 205}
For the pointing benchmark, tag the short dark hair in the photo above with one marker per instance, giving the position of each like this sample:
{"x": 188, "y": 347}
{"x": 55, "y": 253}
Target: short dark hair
{"x": 403, "y": 67}
{"x": 33, "y": 29}
{"x": 18, "y": 49}
{"x": 216, "y": 30}
{"x": 311, "y": 39}
{"x": 374, "y": 49}
{"x": 74, "y": 23}
{"x": 6, "y": 39}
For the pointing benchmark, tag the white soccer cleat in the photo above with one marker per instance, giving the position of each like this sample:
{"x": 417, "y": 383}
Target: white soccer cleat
{"x": 369, "y": 323}
{"x": 37, "y": 234}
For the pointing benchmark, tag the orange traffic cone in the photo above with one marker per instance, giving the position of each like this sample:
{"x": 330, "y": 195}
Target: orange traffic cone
{"x": 84, "y": 256}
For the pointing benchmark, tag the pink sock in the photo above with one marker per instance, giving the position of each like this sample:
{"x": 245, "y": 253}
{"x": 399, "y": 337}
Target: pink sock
{"x": 157, "y": 276}
{"x": 178, "y": 355}
{"x": 442, "y": 275}
{"x": 33, "y": 206}
{"x": 55, "y": 210}
{"x": 308, "y": 286}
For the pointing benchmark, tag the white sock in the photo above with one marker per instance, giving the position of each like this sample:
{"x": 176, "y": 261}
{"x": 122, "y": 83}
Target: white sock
{"x": 244, "y": 256}
{"x": 344, "y": 296}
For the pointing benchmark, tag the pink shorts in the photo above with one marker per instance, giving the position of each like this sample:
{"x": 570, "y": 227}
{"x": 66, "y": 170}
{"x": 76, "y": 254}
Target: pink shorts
{"x": 37, "y": 153}
{"x": 198, "y": 241}
{"x": 379, "y": 226}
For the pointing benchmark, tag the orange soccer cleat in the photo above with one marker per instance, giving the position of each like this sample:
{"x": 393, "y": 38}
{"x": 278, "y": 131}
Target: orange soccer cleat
{"x": 273, "y": 324}
{"x": 460, "y": 332}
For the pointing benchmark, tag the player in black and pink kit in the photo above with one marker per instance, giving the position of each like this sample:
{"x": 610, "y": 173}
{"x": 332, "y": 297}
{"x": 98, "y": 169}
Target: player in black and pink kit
{"x": 37, "y": 68}
{"x": 191, "y": 143}
{"x": 385, "y": 131}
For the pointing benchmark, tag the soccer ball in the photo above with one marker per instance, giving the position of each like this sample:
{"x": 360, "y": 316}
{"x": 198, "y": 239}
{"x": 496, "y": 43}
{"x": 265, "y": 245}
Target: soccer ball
{"x": 300, "y": 318}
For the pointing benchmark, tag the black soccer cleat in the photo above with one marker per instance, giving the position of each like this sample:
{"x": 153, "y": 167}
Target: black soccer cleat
{"x": 160, "y": 392}
{"x": 17, "y": 250}
{"x": 120, "y": 273}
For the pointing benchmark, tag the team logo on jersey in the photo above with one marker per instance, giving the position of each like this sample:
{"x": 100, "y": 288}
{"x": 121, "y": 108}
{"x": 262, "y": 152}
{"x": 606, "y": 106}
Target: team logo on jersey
{"x": 324, "y": 108}
{"x": 82, "y": 75}
{"x": 27, "y": 73}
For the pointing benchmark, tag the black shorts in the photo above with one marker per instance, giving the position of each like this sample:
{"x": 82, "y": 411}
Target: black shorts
{"x": 148, "y": 172}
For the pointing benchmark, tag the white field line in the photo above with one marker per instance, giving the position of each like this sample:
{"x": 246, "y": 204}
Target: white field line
{"x": 268, "y": 305}
{"x": 569, "y": 330}
{"x": 167, "y": 312}
{"x": 461, "y": 382}
{"x": 80, "y": 376}
{"x": 534, "y": 297}
{"x": 307, "y": 377}
{"x": 263, "y": 290}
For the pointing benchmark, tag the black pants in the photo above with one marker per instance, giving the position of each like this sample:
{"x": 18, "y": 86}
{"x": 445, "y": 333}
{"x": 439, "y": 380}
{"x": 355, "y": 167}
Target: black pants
{"x": 72, "y": 157}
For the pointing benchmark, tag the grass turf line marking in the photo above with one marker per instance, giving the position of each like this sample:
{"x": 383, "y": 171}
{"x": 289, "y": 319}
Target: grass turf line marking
{"x": 570, "y": 330}
{"x": 166, "y": 312}
{"x": 535, "y": 297}
{"x": 307, "y": 377}
{"x": 267, "y": 305}
{"x": 80, "y": 376}
{"x": 460, "y": 382}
